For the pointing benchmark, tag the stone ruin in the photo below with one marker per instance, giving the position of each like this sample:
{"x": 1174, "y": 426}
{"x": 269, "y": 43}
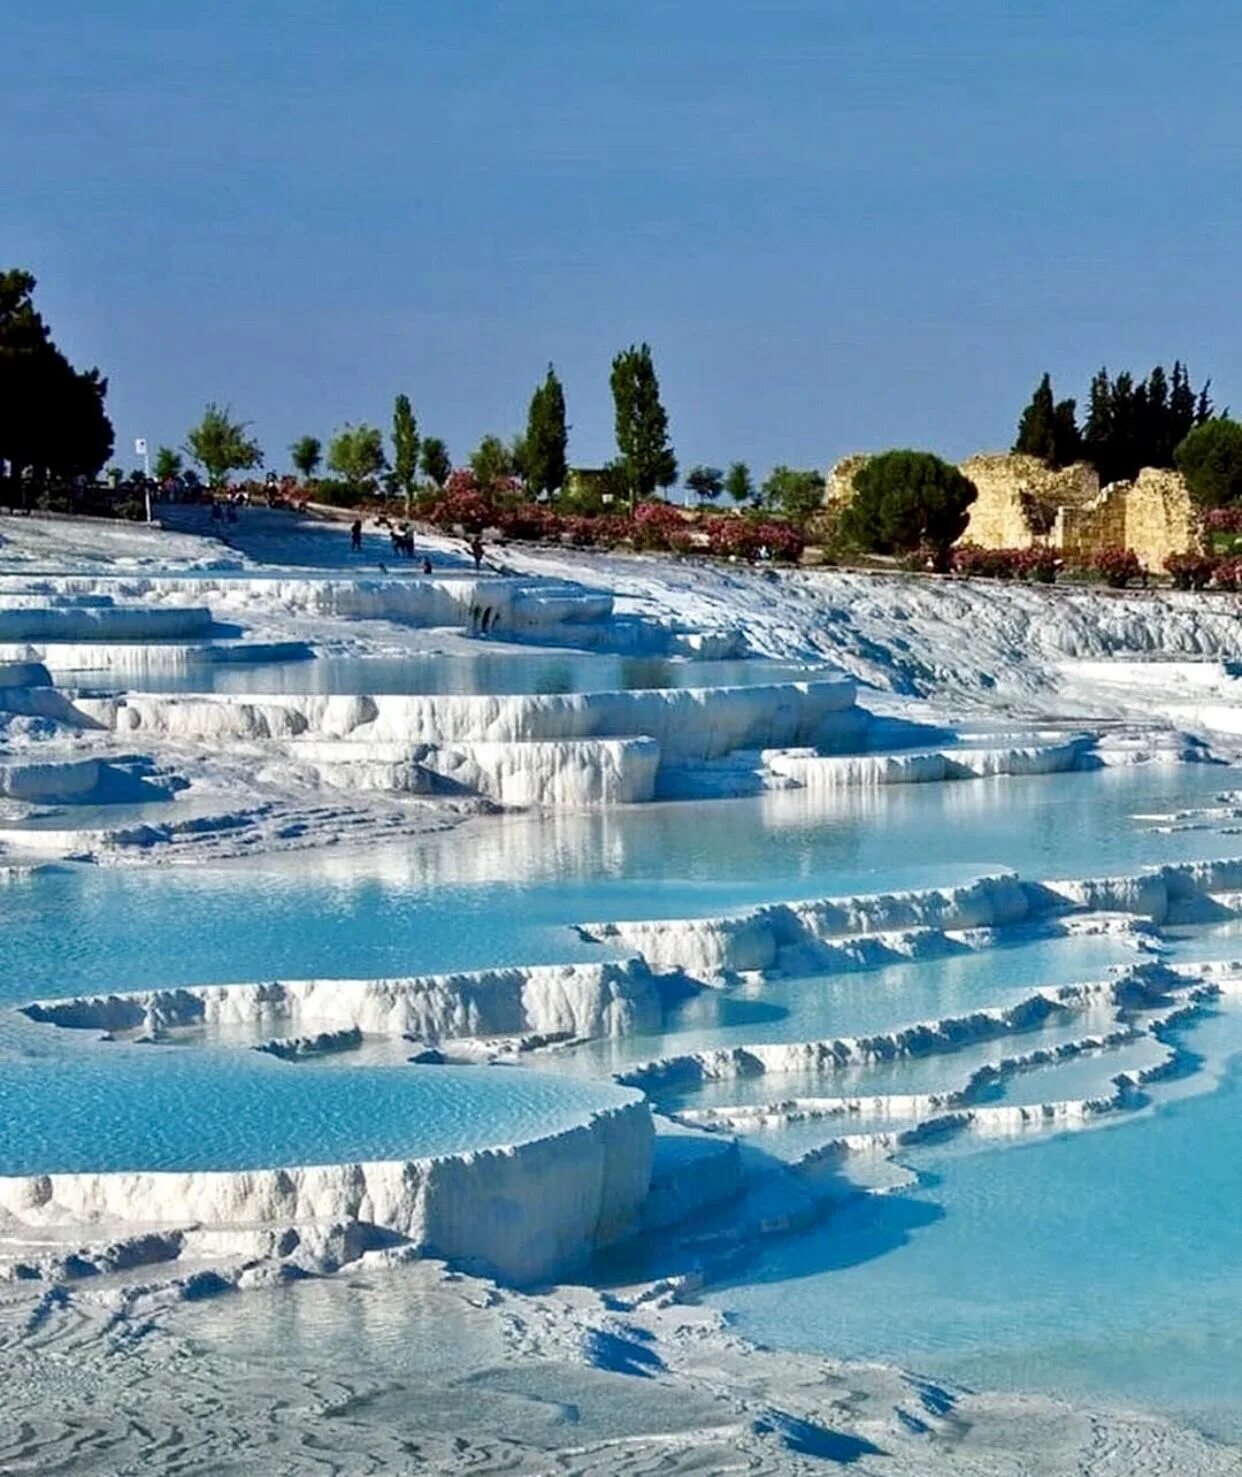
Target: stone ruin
{"x": 1023, "y": 502}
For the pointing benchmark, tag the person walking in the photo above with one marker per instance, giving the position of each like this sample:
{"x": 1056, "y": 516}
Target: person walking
{"x": 355, "y": 535}
{"x": 476, "y": 552}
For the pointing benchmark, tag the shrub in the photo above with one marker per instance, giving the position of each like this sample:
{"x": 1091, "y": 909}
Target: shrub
{"x": 904, "y": 499}
{"x": 657, "y": 526}
{"x": 1037, "y": 564}
{"x": 1190, "y": 571}
{"x": 1223, "y": 520}
{"x": 527, "y": 521}
{"x": 980, "y": 563}
{"x": 1116, "y": 567}
{"x": 746, "y": 538}
{"x": 1228, "y": 574}
{"x": 334, "y": 494}
{"x": 1210, "y": 459}
{"x": 461, "y": 504}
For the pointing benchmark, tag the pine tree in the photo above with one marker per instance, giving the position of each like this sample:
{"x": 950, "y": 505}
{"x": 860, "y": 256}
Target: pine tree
{"x": 646, "y": 459}
{"x": 547, "y": 437}
{"x": 404, "y": 447}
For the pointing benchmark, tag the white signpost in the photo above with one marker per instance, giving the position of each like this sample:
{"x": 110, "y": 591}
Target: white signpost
{"x": 140, "y": 449}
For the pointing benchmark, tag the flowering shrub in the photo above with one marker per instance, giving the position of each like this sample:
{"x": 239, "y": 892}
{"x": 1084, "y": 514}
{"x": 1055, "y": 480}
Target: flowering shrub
{"x": 612, "y": 528}
{"x": 1190, "y": 571}
{"x": 1223, "y": 520}
{"x": 971, "y": 559}
{"x": 1038, "y": 563}
{"x": 1117, "y": 567}
{"x": 1228, "y": 574}
{"x": 461, "y": 504}
{"x": 743, "y": 538}
{"x": 528, "y": 521}
{"x": 658, "y": 526}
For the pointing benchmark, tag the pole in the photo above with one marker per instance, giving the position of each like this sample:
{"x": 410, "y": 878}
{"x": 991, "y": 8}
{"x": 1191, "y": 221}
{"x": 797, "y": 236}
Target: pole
{"x": 146, "y": 474}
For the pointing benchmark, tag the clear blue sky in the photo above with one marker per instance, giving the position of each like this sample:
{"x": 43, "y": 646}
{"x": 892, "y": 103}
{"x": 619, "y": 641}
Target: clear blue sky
{"x": 841, "y": 224}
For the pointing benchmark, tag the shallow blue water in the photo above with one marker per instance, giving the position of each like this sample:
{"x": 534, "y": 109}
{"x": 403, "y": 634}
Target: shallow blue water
{"x": 502, "y": 891}
{"x": 1106, "y": 1264}
{"x": 1101, "y": 1266}
{"x": 485, "y": 672}
{"x": 122, "y": 1107}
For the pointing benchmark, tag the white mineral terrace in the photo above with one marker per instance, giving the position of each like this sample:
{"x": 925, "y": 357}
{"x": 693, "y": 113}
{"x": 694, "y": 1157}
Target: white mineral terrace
{"x": 521, "y": 1212}
{"x": 705, "y": 1082}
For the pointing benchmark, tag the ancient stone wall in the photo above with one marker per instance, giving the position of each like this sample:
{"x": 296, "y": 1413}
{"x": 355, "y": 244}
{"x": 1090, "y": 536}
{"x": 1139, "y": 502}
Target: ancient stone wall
{"x": 1019, "y": 497}
{"x": 1023, "y": 502}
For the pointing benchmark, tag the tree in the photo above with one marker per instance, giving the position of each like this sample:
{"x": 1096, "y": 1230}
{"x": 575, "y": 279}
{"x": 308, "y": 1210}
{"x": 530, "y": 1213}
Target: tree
{"x": 52, "y": 418}
{"x": 1210, "y": 459}
{"x": 646, "y": 459}
{"x": 1048, "y": 428}
{"x": 404, "y": 446}
{"x": 356, "y": 453}
{"x": 306, "y": 453}
{"x": 220, "y": 445}
{"x": 707, "y": 483}
{"x": 436, "y": 463}
{"x": 798, "y": 495}
{"x": 738, "y": 483}
{"x": 1133, "y": 424}
{"x": 492, "y": 463}
{"x": 168, "y": 463}
{"x": 906, "y": 499}
{"x": 547, "y": 438}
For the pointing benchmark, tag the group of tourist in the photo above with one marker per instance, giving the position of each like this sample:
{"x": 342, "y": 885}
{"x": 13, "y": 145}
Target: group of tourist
{"x": 402, "y": 537}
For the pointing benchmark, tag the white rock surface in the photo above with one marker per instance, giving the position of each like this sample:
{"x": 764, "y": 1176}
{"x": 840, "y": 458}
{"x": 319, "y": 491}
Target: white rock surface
{"x": 521, "y": 1213}
{"x": 607, "y": 999}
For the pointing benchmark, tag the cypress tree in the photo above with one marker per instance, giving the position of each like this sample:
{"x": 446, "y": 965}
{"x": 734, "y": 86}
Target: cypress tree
{"x": 404, "y": 447}
{"x": 1066, "y": 437}
{"x": 1037, "y": 428}
{"x": 646, "y": 459}
{"x": 547, "y": 437}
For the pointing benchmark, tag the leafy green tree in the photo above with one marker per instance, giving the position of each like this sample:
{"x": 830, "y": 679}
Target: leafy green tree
{"x": 546, "y": 442}
{"x": 1049, "y": 428}
{"x": 738, "y": 483}
{"x": 220, "y": 444}
{"x": 52, "y": 418}
{"x": 646, "y": 458}
{"x": 356, "y": 453}
{"x": 168, "y": 463}
{"x": 306, "y": 453}
{"x": 492, "y": 463}
{"x": 706, "y": 483}
{"x": 436, "y": 462}
{"x": 404, "y": 447}
{"x": 797, "y": 494}
{"x": 906, "y": 499}
{"x": 1210, "y": 459}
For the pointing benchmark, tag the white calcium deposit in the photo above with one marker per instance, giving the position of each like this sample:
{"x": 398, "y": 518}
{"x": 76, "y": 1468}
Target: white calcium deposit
{"x": 801, "y": 937}
{"x": 521, "y": 1212}
{"x": 580, "y": 1000}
